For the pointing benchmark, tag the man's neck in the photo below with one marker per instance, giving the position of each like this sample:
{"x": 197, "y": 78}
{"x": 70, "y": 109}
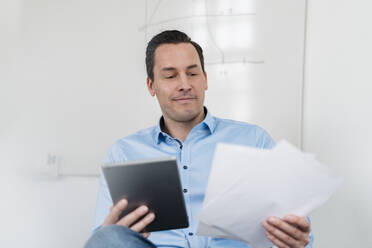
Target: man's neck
{"x": 180, "y": 130}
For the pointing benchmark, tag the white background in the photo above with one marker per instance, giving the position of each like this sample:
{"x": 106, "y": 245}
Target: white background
{"x": 338, "y": 116}
{"x": 73, "y": 81}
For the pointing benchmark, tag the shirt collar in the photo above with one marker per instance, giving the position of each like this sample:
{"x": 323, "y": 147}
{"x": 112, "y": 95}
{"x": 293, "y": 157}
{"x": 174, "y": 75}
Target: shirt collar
{"x": 209, "y": 122}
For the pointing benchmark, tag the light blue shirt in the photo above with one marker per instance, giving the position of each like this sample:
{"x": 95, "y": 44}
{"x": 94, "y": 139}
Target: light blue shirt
{"x": 194, "y": 157}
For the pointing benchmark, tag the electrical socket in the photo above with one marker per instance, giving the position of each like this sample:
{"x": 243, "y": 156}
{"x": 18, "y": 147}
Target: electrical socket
{"x": 50, "y": 167}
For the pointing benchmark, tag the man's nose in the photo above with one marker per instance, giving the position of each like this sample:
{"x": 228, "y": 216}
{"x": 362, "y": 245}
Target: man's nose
{"x": 184, "y": 83}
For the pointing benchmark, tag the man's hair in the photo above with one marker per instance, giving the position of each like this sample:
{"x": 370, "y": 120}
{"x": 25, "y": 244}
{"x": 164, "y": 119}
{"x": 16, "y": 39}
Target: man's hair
{"x": 168, "y": 37}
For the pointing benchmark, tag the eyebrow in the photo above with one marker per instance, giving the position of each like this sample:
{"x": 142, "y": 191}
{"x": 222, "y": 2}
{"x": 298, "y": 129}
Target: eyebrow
{"x": 173, "y": 68}
{"x": 192, "y": 66}
{"x": 168, "y": 69}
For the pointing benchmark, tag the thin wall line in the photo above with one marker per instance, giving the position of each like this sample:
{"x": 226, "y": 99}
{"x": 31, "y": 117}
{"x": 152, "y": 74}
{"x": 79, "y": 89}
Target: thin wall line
{"x": 302, "y": 94}
{"x": 79, "y": 175}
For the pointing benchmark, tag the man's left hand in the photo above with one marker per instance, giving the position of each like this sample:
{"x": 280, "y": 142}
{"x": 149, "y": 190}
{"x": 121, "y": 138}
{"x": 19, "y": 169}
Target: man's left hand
{"x": 292, "y": 231}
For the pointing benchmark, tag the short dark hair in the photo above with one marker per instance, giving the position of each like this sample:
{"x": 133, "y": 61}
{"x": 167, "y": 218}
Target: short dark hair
{"x": 168, "y": 37}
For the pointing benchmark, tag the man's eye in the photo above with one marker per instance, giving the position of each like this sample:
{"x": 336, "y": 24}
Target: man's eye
{"x": 172, "y": 76}
{"x": 193, "y": 74}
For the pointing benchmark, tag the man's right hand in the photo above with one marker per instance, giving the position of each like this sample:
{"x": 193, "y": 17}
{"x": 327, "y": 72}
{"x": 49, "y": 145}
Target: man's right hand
{"x": 135, "y": 220}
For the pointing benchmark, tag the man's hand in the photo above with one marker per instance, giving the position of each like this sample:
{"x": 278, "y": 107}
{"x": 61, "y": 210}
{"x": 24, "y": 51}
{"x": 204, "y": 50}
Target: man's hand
{"x": 131, "y": 219}
{"x": 291, "y": 232}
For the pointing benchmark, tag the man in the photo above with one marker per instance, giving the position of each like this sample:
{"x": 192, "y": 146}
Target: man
{"x": 176, "y": 76}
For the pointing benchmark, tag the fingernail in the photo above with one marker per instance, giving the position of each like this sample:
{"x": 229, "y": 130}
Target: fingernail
{"x": 272, "y": 220}
{"x": 143, "y": 209}
{"x": 123, "y": 202}
{"x": 151, "y": 216}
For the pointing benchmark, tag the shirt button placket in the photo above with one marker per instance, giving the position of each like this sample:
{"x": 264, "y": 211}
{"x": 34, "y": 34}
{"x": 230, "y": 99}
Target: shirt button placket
{"x": 187, "y": 187}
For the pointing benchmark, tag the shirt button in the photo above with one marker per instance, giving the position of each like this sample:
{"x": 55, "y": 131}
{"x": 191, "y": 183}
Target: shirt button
{"x": 184, "y": 190}
{"x": 190, "y": 233}
{"x": 185, "y": 167}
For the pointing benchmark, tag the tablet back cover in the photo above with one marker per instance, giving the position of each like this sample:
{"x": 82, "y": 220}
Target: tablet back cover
{"x": 154, "y": 183}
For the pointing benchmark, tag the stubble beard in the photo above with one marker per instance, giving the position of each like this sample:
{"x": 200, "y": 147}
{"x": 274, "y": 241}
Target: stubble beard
{"x": 184, "y": 116}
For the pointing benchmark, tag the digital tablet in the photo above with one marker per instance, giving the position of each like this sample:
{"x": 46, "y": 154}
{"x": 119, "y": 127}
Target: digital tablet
{"x": 154, "y": 183}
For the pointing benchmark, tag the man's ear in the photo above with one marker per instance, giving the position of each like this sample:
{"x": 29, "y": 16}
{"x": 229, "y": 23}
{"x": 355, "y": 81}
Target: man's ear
{"x": 150, "y": 86}
{"x": 206, "y": 81}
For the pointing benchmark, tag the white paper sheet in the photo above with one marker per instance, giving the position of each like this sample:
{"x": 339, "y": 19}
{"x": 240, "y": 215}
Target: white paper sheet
{"x": 247, "y": 185}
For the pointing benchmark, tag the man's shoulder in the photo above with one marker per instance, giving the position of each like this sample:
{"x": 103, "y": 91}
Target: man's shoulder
{"x": 243, "y": 132}
{"x": 119, "y": 150}
{"x": 234, "y": 124}
{"x": 143, "y": 135}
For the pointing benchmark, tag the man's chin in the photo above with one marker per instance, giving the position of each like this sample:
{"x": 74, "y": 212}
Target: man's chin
{"x": 184, "y": 115}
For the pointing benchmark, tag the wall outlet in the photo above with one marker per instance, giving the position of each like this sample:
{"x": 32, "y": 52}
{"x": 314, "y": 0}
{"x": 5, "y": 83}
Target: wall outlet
{"x": 50, "y": 167}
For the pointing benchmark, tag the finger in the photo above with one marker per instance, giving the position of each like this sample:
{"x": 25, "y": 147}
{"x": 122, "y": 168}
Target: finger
{"x": 115, "y": 212}
{"x": 289, "y": 229}
{"x": 146, "y": 234}
{"x": 133, "y": 216}
{"x": 276, "y": 241}
{"x": 301, "y": 222}
{"x": 140, "y": 225}
{"x": 280, "y": 235}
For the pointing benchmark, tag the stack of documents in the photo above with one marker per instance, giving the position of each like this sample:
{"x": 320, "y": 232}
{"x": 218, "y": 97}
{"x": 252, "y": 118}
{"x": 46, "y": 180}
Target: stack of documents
{"x": 247, "y": 185}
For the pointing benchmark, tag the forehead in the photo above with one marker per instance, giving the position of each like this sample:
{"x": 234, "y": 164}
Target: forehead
{"x": 176, "y": 55}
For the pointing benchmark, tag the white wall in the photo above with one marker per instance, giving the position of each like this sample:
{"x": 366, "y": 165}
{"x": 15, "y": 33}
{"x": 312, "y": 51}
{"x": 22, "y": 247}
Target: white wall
{"x": 338, "y": 116}
{"x": 67, "y": 89}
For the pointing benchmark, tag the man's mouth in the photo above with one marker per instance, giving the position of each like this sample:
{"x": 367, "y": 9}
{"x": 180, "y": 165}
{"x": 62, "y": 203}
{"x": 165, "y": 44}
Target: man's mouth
{"x": 184, "y": 99}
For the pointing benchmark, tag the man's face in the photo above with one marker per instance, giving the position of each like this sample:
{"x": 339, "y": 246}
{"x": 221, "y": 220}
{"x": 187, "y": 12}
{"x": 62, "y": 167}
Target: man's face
{"x": 179, "y": 81}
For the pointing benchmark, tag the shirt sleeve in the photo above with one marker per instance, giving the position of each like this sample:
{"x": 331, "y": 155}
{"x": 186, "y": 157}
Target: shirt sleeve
{"x": 103, "y": 204}
{"x": 104, "y": 201}
{"x": 263, "y": 139}
{"x": 311, "y": 236}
